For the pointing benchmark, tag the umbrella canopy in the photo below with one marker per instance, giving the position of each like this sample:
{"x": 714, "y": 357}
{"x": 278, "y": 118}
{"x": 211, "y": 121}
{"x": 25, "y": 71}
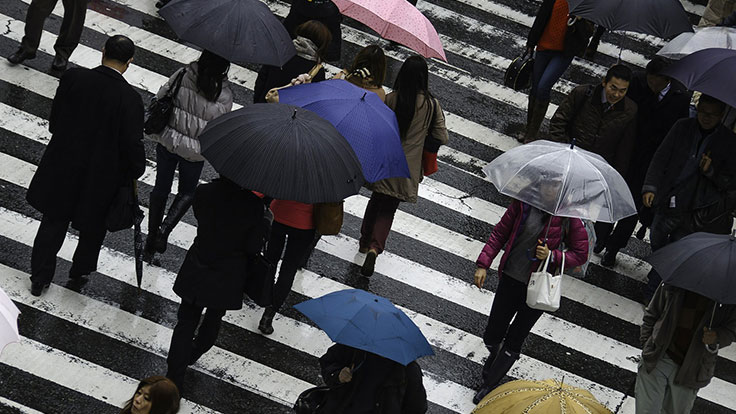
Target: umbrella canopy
{"x": 241, "y": 31}
{"x": 283, "y": 151}
{"x": 662, "y": 18}
{"x": 356, "y": 318}
{"x": 709, "y": 71}
{"x": 563, "y": 181}
{"x": 539, "y": 397}
{"x": 702, "y": 38}
{"x": 8, "y": 321}
{"x": 703, "y": 263}
{"x": 362, "y": 118}
{"x": 396, "y": 20}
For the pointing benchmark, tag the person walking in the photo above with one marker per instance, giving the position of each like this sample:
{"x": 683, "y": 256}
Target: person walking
{"x": 203, "y": 96}
{"x": 230, "y": 231}
{"x": 323, "y": 11}
{"x": 528, "y": 236}
{"x": 96, "y": 146}
{"x": 362, "y": 382}
{"x": 293, "y": 220}
{"x": 420, "y": 118}
{"x": 716, "y": 11}
{"x": 154, "y": 395}
{"x": 311, "y": 43}
{"x": 368, "y": 70}
{"x": 557, "y": 39}
{"x": 681, "y": 335}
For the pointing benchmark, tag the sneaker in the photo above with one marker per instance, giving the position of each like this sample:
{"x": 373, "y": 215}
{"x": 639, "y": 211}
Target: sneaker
{"x": 369, "y": 264}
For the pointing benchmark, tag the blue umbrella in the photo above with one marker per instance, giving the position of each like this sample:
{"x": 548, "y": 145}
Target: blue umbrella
{"x": 709, "y": 71}
{"x": 362, "y": 118}
{"x": 356, "y": 318}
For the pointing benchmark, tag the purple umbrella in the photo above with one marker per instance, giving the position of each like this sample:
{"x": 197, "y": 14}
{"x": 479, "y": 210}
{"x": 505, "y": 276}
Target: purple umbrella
{"x": 710, "y": 71}
{"x": 662, "y": 18}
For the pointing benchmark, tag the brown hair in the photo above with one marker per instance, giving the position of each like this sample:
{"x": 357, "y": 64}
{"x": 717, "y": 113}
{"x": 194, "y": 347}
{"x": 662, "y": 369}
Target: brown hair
{"x": 373, "y": 59}
{"x": 164, "y": 396}
{"x": 318, "y": 33}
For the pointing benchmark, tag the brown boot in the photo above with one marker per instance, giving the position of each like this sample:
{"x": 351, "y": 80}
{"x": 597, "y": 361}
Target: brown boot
{"x": 535, "y": 122}
{"x": 529, "y": 114}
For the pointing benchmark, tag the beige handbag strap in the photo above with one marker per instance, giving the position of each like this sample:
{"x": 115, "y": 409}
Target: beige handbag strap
{"x": 272, "y": 96}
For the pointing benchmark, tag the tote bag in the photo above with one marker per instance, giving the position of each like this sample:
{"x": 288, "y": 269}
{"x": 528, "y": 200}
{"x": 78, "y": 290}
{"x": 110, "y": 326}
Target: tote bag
{"x": 544, "y": 289}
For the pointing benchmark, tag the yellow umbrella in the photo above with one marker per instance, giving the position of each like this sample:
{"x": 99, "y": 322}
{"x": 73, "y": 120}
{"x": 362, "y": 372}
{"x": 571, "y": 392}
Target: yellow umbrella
{"x": 541, "y": 397}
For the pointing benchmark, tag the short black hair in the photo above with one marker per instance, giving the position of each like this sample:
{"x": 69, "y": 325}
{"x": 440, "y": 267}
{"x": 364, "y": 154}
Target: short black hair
{"x": 707, "y": 99}
{"x": 119, "y": 48}
{"x": 656, "y": 66}
{"x": 619, "y": 71}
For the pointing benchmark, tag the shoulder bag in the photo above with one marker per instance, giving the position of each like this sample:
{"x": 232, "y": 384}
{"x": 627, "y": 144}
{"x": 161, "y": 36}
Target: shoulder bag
{"x": 159, "y": 111}
{"x": 544, "y": 289}
{"x": 328, "y": 218}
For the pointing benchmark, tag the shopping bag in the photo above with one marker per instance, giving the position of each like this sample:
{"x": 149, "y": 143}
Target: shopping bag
{"x": 544, "y": 289}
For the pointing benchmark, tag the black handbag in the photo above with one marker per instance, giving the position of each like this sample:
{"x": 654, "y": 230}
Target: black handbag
{"x": 519, "y": 73}
{"x": 159, "y": 111}
{"x": 260, "y": 273}
{"x": 121, "y": 214}
{"x": 310, "y": 401}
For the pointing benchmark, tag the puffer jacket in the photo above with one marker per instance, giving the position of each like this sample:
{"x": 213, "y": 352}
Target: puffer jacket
{"x": 191, "y": 113}
{"x": 505, "y": 232}
{"x": 658, "y": 327}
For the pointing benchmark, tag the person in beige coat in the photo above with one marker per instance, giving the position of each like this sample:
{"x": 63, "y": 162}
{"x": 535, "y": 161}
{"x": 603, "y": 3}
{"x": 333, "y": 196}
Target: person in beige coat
{"x": 716, "y": 11}
{"x": 420, "y": 118}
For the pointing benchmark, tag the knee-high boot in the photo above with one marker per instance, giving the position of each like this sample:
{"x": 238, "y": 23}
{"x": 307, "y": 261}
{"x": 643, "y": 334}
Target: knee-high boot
{"x": 536, "y": 119}
{"x": 177, "y": 210}
{"x": 492, "y": 353}
{"x": 501, "y": 365}
{"x": 529, "y": 113}
{"x": 156, "y": 208}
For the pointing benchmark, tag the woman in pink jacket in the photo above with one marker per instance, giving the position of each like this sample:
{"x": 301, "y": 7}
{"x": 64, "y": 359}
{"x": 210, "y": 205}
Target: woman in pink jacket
{"x": 521, "y": 233}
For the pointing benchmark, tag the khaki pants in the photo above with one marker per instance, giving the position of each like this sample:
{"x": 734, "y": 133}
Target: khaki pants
{"x": 716, "y": 11}
{"x": 656, "y": 391}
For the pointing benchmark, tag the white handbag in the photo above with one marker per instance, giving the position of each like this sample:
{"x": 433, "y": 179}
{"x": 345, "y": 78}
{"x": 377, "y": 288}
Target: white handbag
{"x": 544, "y": 289}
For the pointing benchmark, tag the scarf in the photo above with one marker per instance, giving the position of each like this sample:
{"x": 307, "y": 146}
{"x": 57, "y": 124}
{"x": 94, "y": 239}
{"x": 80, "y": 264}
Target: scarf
{"x": 306, "y": 49}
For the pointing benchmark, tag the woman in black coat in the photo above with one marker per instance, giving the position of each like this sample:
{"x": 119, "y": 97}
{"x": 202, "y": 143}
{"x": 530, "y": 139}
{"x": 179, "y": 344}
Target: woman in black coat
{"x": 363, "y": 383}
{"x": 230, "y": 230}
{"x": 311, "y": 42}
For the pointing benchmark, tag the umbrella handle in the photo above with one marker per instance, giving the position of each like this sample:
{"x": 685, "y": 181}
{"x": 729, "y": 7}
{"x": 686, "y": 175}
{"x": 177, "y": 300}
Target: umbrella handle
{"x": 710, "y": 325}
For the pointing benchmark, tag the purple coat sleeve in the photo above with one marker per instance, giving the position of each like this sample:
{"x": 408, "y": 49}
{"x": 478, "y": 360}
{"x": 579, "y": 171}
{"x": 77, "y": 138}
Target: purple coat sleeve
{"x": 577, "y": 245}
{"x": 500, "y": 235}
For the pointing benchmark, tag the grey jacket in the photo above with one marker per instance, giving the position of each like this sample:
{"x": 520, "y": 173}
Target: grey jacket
{"x": 191, "y": 113}
{"x": 660, "y": 320}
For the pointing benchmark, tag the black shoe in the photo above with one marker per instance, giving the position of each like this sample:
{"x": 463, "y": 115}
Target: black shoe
{"x": 641, "y": 233}
{"x": 265, "y": 325}
{"x": 492, "y": 352}
{"x": 20, "y": 56}
{"x": 482, "y": 392}
{"x": 37, "y": 288}
{"x": 498, "y": 369}
{"x": 59, "y": 63}
{"x": 369, "y": 264}
{"x": 609, "y": 259}
{"x": 598, "y": 248}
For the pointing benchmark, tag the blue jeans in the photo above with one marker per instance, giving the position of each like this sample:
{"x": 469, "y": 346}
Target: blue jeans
{"x": 549, "y": 65}
{"x": 166, "y": 165}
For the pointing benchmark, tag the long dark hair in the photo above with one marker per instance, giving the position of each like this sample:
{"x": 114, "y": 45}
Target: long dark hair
{"x": 164, "y": 396}
{"x": 413, "y": 78}
{"x": 211, "y": 72}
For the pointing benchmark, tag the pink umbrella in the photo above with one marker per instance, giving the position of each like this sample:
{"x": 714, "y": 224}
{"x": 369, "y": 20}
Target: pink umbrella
{"x": 396, "y": 20}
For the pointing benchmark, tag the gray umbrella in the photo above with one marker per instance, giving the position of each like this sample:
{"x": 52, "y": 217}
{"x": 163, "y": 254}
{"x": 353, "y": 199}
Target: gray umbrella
{"x": 283, "y": 151}
{"x": 703, "y": 263}
{"x": 663, "y": 18}
{"x": 709, "y": 71}
{"x": 241, "y": 31}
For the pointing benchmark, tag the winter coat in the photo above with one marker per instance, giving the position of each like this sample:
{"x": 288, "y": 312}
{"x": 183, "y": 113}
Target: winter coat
{"x": 274, "y": 77}
{"x": 576, "y": 38}
{"x": 610, "y": 134}
{"x": 230, "y": 230}
{"x": 406, "y": 189}
{"x": 505, "y": 232}
{"x": 323, "y": 11}
{"x": 378, "y": 385}
{"x": 96, "y": 124}
{"x": 191, "y": 113}
{"x": 716, "y": 11}
{"x": 659, "y": 323}
{"x": 673, "y": 154}
{"x": 293, "y": 214}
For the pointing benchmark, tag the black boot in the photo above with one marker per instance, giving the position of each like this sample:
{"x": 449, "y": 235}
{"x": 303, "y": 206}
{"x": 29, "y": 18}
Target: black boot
{"x": 156, "y": 208}
{"x": 265, "y": 325}
{"x": 529, "y": 114}
{"x": 535, "y": 122}
{"x": 609, "y": 259}
{"x": 492, "y": 352}
{"x": 177, "y": 210}
{"x": 501, "y": 365}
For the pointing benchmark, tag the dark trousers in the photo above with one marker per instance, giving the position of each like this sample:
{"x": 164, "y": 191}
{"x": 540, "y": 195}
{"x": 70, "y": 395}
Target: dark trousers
{"x": 299, "y": 244}
{"x": 48, "y": 241}
{"x": 665, "y": 230}
{"x": 510, "y": 302}
{"x": 166, "y": 165}
{"x": 618, "y": 238}
{"x": 71, "y": 25}
{"x": 185, "y": 346}
{"x": 549, "y": 65}
{"x": 377, "y": 221}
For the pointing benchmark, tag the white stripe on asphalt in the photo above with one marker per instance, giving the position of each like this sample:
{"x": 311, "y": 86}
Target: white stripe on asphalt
{"x": 20, "y": 407}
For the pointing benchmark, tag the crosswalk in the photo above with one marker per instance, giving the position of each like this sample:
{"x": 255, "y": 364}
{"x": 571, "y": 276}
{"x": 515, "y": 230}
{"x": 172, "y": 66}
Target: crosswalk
{"x": 87, "y": 347}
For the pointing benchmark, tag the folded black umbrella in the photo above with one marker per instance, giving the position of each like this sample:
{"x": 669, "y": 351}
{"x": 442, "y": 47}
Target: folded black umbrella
{"x": 241, "y": 31}
{"x": 283, "y": 151}
{"x": 662, "y": 18}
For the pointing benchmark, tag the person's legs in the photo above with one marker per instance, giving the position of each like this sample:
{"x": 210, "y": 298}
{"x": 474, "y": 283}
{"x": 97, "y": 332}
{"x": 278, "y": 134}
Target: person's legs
{"x": 662, "y": 228}
{"x": 386, "y": 209}
{"x": 87, "y": 252}
{"x": 523, "y": 323}
{"x": 166, "y": 163}
{"x": 369, "y": 221}
{"x": 46, "y": 245}
{"x": 536, "y": 108}
{"x": 505, "y": 305}
{"x": 207, "y": 333}
{"x": 37, "y": 13}
{"x": 297, "y": 246}
{"x": 189, "y": 173}
{"x": 618, "y": 239}
{"x": 541, "y": 60}
{"x": 71, "y": 28}
{"x": 180, "y": 350}
{"x": 650, "y": 388}
{"x": 274, "y": 250}
{"x": 677, "y": 399}
{"x": 556, "y": 66}
{"x": 602, "y": 231}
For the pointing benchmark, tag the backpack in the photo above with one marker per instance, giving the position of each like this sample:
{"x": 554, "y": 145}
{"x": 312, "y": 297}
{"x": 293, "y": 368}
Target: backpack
{"x": 579, "y": 271}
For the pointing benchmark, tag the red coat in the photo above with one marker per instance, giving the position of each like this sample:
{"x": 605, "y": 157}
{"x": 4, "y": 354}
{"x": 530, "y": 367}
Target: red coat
{"x": 293, "y": 214}
{"x": 505, "y": 232}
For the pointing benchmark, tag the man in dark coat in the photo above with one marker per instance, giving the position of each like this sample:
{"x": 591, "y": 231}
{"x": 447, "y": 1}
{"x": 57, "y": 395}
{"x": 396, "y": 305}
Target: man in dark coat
{"x": 363, "y": 383}
{"x": 96, "y": 147}
{"x": 230, "y": 231}
{"x": 661, "y": 101}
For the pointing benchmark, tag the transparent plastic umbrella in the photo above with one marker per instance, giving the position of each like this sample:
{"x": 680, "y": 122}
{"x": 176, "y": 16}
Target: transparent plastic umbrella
{"x": 8, "y": 321}
{"x": 703, "y": 38}
{"x": 563, "y": 181}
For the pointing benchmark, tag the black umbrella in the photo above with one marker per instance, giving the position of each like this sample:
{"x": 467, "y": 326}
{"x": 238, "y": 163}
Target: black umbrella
{"x": 137, "y": 237}
{"x": 710, "y": 71}
{"x": 662, "y": 18}
{"x": 283, "y": 151}
{"x": 241, "y": 31}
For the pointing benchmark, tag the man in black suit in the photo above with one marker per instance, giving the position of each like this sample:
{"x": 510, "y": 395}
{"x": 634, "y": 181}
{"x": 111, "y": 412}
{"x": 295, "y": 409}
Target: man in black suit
{"x": 96, "y": 146}
{"x": 69, "y": 34}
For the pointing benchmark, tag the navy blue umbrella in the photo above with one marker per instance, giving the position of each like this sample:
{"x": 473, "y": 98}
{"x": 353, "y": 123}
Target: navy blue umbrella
{"x": 710, "y": 71}
{"x": 241, "y": 31}
{"x": 663, "y": 18}
{"x": 362, "y": 118}
{"x": 362, "y": 320}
